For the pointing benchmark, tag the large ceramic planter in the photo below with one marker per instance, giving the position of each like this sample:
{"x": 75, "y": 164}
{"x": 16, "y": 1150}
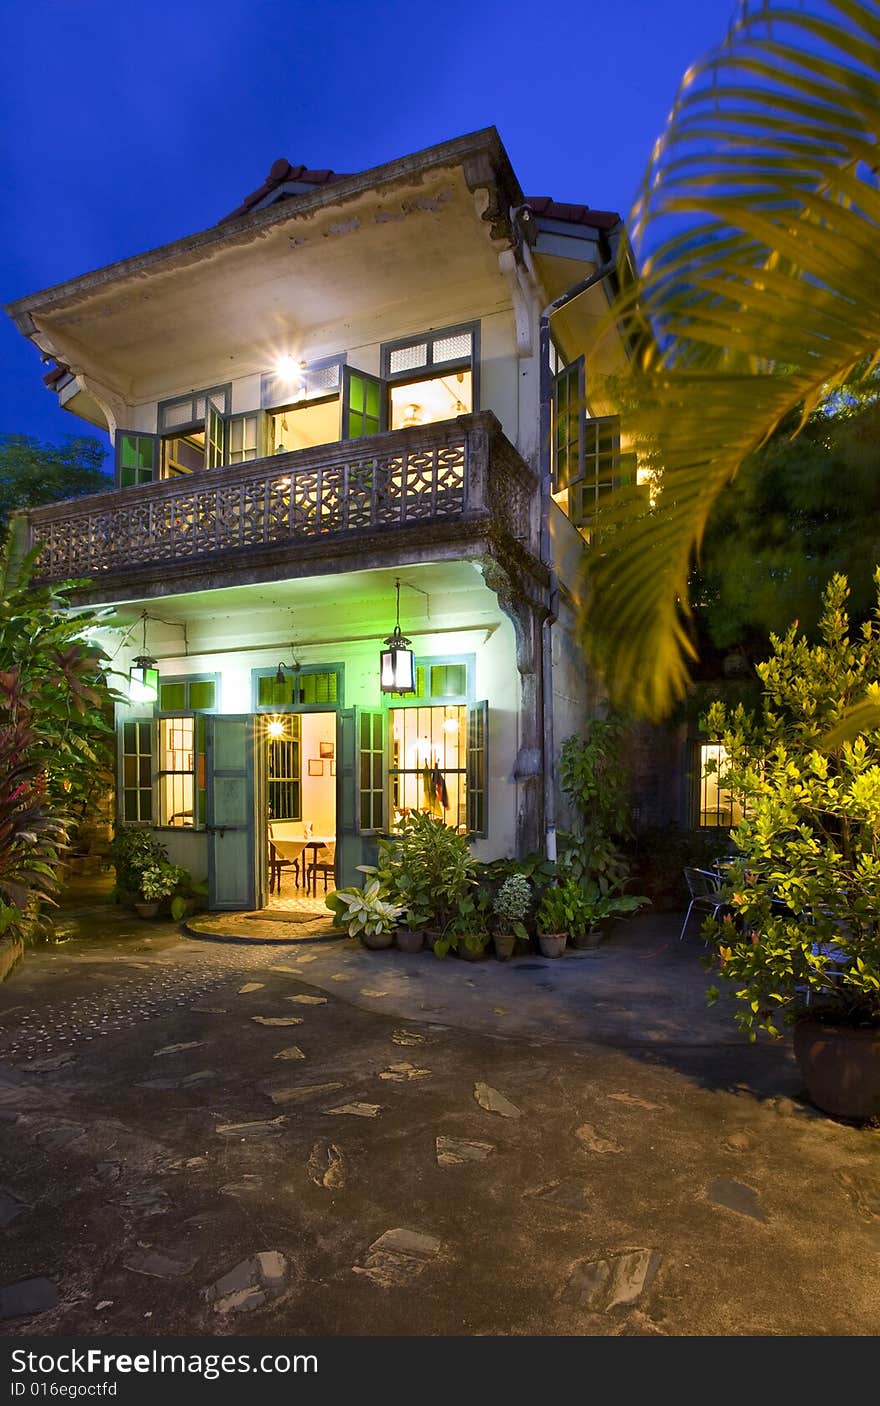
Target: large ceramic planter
{"x": 504, "y": 944}
{"x": 410, "y": 939}
{"x": 841, "y": 1067}
{"x": 552, "y": 944}
{"x": 377, "y": 941}
{"x": 146, "y": 910}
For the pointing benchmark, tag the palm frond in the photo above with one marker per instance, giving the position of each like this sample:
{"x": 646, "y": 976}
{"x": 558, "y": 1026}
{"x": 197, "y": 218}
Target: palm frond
{"x": 758, "y": 227}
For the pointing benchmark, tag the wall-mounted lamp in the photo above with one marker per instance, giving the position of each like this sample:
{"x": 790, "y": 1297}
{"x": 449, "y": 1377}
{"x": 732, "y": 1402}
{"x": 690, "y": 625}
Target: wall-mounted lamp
{"x": 396, "y": 661}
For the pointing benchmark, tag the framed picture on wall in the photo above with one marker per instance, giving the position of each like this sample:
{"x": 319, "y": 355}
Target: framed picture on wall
{"x": 316, "y": 767}
{"x": 327, "y": 749}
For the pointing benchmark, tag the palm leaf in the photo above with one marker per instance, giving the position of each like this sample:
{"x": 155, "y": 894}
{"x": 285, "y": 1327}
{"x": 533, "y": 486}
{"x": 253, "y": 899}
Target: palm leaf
{"x": 758, "y": 227}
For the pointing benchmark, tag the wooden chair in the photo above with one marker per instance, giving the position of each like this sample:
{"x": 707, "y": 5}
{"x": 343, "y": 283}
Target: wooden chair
{"x": 283, "y": 830}
{"x": 324, "y": 863}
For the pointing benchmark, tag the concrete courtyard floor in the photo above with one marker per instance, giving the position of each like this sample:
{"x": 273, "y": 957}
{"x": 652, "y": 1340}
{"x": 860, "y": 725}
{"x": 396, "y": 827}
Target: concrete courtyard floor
{"x": 246, "y": 1137}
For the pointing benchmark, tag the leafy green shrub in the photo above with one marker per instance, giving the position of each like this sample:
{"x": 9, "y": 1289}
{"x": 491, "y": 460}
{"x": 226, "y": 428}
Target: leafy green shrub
{"x": 805, "y": 893}
{"x": 511, "y": 904}
{"x": 363, "y": 910}
{"x": 133, "y": 849}
{"x": 595, "y": 780}
{"x": 427, "y": 868}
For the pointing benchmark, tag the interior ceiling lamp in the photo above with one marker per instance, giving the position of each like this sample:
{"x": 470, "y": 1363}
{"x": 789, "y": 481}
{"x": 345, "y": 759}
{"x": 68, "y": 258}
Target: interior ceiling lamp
{"x": 275, "y": 727}
{"x": 397, "y": 662}
{"x": 143, "y": 676}
{"x": 292, "y": 373}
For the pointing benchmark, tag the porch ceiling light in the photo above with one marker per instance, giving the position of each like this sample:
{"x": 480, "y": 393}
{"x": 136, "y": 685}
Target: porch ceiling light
{"x": 143, "y": 676}
{"x": 275, "y": 727}
{"x": 291, "y": 372}
{"x": 143, "y": 680}
{"x": 396, "y": 661}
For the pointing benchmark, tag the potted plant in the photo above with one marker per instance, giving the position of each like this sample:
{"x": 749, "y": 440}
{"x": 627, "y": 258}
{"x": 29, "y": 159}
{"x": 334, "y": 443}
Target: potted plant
{"x": 556, "y": 913}
{"x": 509, "y": 906}
{"x": 156, "y": 882}
{"x": 432, "y": 872}
{"x": 467, "y": 933}
{"x": 365, "y": 913}
{"x": 801, "y": 939}
{"x": 592, "y": 908}
{"x": 404, "y": 884}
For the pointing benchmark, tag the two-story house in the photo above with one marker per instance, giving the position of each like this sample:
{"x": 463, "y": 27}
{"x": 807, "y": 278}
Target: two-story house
{"x": 354, "y": 394}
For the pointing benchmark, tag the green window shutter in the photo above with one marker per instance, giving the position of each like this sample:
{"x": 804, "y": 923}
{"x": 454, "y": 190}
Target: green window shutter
{"x": 363, "y": 404}
{"x": 319, "y": 688}
{"x": 136, "y": 770}
{"x": 202, "y": 693}
{"x": 568, "y": 425}
{"x": 136, "y": 458}
{"x": 371, "y": 770}
{"x": 214, "y": 435}
{"x": 172, "y": 697}
{"x": 272, "y": 694}
{"x": 477, "y": 769}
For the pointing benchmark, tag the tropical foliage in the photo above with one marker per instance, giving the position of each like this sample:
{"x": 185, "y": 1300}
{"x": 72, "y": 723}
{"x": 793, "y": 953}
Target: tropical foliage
{"x": 32, "y": 473}
{"x": 759, "y": 296}
{"x": 805, "y": 890}
{"x": 595, "y": 781}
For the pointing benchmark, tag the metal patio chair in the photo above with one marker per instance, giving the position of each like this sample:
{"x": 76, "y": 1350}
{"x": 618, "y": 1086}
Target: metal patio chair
{"x": 705, "y": 891}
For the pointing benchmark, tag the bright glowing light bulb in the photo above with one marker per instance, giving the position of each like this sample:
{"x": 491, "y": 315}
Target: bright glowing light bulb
{"x": 275, "y": 728}
{"x": 450, "y": 725}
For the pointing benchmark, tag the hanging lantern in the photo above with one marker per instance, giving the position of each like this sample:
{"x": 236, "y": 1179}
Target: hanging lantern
{"x": 143, "y": 676}
{"x": 143, "y": 680}
{"x": 397, "y": 672}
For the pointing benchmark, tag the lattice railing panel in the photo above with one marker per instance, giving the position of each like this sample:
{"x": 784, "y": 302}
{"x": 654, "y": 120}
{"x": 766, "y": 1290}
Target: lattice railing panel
{"x": 392, "y": 480}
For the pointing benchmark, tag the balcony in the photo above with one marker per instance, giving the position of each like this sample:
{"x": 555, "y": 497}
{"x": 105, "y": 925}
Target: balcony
{"x": 421, "y": 485}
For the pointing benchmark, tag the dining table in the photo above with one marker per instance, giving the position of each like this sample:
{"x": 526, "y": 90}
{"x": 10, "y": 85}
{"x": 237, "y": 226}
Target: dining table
{"x": 291, "y": 850}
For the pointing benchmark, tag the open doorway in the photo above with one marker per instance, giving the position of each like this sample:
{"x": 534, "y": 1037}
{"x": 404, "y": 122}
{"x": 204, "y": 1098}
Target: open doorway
{"x": 301, "y": 819}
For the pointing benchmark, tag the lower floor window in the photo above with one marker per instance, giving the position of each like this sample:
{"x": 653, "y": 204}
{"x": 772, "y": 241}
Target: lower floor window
{"x": 717, "y": 807}
{"x": 137, "y": 771}
{"x": 428, "y": 762}
{"x": 181, "y": 771}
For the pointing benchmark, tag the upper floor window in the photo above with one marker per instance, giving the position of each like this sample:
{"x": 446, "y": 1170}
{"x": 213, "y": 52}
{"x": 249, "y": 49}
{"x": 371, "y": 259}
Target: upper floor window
{"x": 432, "y": 376}
{"x": 313, "y": 686}
{"x": 192, "y": 431}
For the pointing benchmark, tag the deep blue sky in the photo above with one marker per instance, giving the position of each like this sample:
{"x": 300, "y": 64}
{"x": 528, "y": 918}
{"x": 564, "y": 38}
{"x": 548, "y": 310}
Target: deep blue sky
{"x": 125, "y": 126}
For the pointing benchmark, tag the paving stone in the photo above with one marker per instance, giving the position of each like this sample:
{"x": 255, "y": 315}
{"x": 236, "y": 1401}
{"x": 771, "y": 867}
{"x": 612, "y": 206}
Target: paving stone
{"x": 370, "y": 991}
{"x": 358, "y": 1110}
{"x": 249, "y": 1184}
{"x": 50, "y": 1063}
{"x": 341, "y": 976}
{"x": 177, "y": 1049}
{"x": 736, "y": 1196}
{"x": 27, "y": 1297}
{"x": 276, "y": 1020}
{"x": 301, "y": 1093}
{"x": 303, "y": 1000}
{"x": 400, "y": 1073}
{"x": 251, "y": 986}
{"x": 617, "y": 1281}
{"x": 407, "y": 1037}
{"x": 259, "y": 1129}
{"x": 11, "y": 1206}
{"x": 291, "y": 1052}
{"x": 455, "y": 1152}
{"x": 145, "y": 1201}
{"x": 58, "y": 1135}
{"x": 495, "y": 1102}
{"x": 328, "y": 1166}
{"x": 398, "y": 1257}
{"x": 738, "y": 1142}
{"x": 250, "y": 1283}
{"x": 632, "y": 1101}
{"x": 209, "y": 1010}
{"x": 198, "y": 1077}
{"x": 570, "y": 1195}
{"x": 157, "y": 1264}
{"x": 593, "y": 1140}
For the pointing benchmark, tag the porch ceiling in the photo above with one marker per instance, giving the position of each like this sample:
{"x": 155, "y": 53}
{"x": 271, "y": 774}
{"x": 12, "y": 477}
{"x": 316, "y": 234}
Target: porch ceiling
{"x": 435, "y": 597}
{"x": 283, "y": 287}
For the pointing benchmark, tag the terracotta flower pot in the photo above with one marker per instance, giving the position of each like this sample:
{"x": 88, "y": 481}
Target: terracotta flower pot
{"x": 146, "y": 910}
{"x": 583, "y": 941}
{"x": 377, "y": 941}
{"x": 410, "y": 939}
{"x": 470, "y": 954}
{"x": 552, "y": 944}
{"x": 504, "y": 944}
{"x": 841, "y": 1067}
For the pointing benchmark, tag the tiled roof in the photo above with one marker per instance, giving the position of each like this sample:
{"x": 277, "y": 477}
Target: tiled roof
{"x": 281, "y": 172}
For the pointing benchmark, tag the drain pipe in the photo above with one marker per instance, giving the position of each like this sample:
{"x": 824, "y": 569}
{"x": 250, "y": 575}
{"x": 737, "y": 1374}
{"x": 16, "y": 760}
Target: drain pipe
{"x": 545, "y": 461}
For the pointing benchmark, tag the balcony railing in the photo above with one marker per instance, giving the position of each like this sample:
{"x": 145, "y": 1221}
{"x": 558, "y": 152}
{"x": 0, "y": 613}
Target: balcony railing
{"x": 403, "y": 479}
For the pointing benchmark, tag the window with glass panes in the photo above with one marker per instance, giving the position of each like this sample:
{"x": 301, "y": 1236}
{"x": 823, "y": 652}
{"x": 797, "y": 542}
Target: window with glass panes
{"x": 135, "y": 458}
{"x": 716, "y": 806}
{"x": 371, "y": 782}
{"x": 306, "y": 688}
{"x": 137, "y": 771}
{"x": 181, "y": 771}
{"x": 428, "y": 762}
{"x": 187, "y": 695}
{"x": 284, "y": 772}
{"x": 243, "y": 438}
